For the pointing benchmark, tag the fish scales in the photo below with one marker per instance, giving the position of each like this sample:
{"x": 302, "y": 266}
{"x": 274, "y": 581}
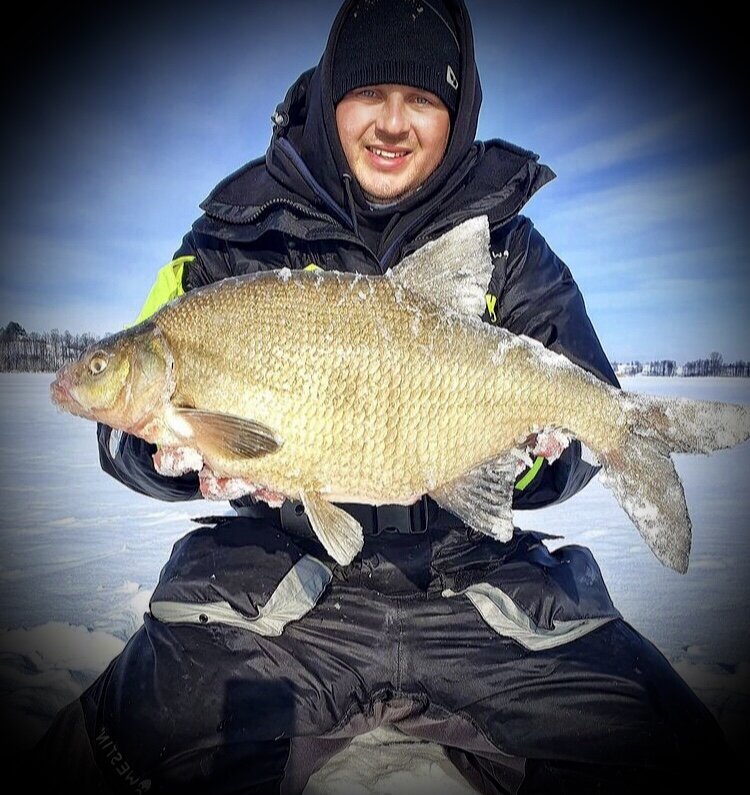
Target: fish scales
{"x": 367, "y": 409}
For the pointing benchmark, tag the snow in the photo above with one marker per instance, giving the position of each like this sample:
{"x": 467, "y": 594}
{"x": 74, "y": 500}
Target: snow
{"x": 81, "y": 555}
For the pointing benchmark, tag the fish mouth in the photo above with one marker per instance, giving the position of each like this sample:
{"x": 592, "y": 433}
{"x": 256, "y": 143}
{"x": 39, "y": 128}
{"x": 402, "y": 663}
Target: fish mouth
{"x": 62, "y": 397}
{"x": 64, "y": 400}
{"x": 60, "y": 394}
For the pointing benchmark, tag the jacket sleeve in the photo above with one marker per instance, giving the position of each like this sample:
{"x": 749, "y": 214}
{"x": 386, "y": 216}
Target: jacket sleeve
{"x": 532, "y": 292}
{"x": 128, "y": 458}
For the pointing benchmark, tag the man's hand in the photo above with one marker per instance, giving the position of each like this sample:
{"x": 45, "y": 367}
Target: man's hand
{"x": 215, "y": 487}
{"x": 550, "y": 444}
{"x": 176, "y": 461}
{"x": 547, "y": 444}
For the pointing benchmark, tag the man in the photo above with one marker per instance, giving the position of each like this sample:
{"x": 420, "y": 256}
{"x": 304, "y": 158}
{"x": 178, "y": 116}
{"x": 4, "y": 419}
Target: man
{"x": 261, "y": 657}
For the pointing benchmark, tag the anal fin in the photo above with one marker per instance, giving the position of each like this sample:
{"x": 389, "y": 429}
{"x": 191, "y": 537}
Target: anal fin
{"x": 482, "y": 498}
{"x": 338, "y": 531}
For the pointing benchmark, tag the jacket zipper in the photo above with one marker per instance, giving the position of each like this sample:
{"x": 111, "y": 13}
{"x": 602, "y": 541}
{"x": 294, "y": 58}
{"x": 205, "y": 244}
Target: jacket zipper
{"x": 335, "y": 233}
{"x": 301, "y": 208}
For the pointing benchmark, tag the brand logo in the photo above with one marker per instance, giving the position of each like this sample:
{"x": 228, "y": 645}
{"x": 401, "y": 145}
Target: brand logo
{"x": 107, "y": 748}
{"x": 450, "y": 76}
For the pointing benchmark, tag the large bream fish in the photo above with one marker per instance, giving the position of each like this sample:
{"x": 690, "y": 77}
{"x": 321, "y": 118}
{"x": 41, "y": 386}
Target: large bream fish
{"x": 337, "y": 387}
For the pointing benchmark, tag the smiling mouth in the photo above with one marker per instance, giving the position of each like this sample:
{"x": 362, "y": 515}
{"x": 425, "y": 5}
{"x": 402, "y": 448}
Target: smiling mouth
{"x": 389, "y": 154}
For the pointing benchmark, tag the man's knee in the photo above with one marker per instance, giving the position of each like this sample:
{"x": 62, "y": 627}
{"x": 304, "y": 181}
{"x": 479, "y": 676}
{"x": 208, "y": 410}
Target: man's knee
{"x": 157, "y": 721}
{"x": 63, "y": 759}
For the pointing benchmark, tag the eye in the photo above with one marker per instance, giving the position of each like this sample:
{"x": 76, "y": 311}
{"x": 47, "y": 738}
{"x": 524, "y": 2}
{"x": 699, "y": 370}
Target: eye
{"x": 98, "y": 363}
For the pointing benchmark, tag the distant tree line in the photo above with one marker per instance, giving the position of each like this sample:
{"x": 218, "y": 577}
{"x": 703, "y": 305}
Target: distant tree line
{"x": 714, "y": 365}
{"x": 663, "y": 367}
{"x": 39, "y": 353}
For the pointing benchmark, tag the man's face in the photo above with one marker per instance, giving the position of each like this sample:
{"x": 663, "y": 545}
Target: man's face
{"x": 393, "y": 137}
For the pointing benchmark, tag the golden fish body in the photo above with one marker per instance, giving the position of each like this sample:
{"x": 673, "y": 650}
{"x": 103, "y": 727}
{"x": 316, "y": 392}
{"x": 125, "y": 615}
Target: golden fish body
{"x": 332, "y": 387}
{"x": 379, "y": 395}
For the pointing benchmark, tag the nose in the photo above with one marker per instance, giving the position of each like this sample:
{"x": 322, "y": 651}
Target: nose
{"x": 393, "y": 117}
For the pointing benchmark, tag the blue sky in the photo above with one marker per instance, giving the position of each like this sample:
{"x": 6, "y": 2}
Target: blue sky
{"x": 116, "y": 131}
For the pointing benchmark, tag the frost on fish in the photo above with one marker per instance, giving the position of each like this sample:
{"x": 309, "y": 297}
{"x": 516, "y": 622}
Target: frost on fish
{"x": 176, "y": 461}
{"x": 416, "y": 324}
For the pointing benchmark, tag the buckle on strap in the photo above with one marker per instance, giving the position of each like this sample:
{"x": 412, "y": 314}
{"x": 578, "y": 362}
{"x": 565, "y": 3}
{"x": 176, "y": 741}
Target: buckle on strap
{"x": 400, "y": 519}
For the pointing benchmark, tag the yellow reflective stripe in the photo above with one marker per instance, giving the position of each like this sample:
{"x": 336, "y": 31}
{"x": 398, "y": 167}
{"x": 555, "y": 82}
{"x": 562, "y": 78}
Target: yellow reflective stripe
{"x": 491, "y": 301}
{"x": 531, "y": 474}
{"x": 312, "y": 267}
{"x": 168, "y": 285}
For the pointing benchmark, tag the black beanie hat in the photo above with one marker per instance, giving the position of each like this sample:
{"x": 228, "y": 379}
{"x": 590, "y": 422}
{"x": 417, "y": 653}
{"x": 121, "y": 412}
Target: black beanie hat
{"x": 408, "y": 42}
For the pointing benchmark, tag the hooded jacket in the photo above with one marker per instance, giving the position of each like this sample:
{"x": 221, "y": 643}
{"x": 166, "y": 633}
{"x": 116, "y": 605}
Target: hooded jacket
{"x": 299, "y": 206}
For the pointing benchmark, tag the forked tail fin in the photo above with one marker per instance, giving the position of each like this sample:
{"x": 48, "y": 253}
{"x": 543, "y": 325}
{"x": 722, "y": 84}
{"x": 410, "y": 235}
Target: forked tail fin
{"x": 641, "y": 473}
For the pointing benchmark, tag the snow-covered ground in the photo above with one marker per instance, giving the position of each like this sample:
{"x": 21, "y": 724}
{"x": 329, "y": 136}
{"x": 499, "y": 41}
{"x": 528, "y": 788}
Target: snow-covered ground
{"x": 81, "y": 555}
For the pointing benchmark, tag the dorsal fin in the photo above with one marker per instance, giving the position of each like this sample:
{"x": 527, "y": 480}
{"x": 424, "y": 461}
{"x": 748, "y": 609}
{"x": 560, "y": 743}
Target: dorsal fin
{"x": 452, "y": 271}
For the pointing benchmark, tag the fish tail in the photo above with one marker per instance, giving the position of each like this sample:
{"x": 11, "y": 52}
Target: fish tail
{"x": 642, "y": 475}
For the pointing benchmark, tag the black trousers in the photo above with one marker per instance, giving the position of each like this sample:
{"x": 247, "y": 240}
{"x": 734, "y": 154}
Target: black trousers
{"x": 260, "y": 659}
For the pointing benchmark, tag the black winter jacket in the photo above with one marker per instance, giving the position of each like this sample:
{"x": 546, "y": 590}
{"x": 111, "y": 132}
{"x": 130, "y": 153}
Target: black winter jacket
{"x": 299, "y": 206}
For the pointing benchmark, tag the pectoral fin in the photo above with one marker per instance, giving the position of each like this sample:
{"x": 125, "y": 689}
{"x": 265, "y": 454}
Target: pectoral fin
{"x": 339, "y": 532}
{"x": 229, "y": 434}
{"x": 482, "y": 498}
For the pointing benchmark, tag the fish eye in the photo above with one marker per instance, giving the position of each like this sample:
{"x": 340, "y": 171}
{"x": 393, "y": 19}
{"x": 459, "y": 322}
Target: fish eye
{"x": 98, "y": 363}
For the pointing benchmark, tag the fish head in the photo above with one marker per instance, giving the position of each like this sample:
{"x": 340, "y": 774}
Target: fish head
{"x": 119, "y": 381}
